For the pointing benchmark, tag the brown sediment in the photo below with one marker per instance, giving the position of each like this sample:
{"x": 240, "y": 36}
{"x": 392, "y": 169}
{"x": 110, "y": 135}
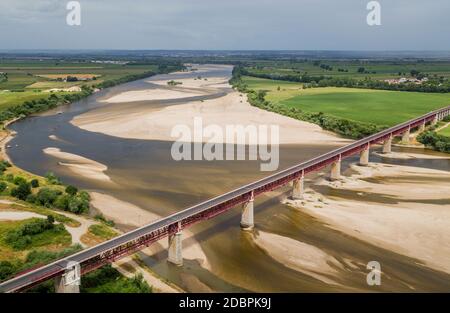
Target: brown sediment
{"x": 144, "y": 122}
{"x": 416, "y": 223}
{"x": 80, "y": 165}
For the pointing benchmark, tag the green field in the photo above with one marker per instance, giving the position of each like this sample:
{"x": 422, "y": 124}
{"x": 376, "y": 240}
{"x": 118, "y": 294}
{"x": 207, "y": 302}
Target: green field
{"x": 26, "y": 74}
{"x": 31, "y": 80}
{"x": 375, "y": 69}
{"x": 9, "y": 99}
{"x": 364, "y": 105}
{"x": 445, "y": 131}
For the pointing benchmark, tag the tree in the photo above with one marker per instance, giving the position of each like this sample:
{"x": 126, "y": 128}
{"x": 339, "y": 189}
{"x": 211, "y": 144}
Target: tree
{"x": 18, "y": 180}
{"x": 414, "y": 73}
{"x": 47, "y": 196}
{"x": 50, "y": 219}
{"x": 52, "y": 178}
{"x": 34, "y": 183}
{"x": 361, "y": 70}
{"x": 22, "y": 191}
{"x": 71, "y": 190}
{"x": 3, "y": 186}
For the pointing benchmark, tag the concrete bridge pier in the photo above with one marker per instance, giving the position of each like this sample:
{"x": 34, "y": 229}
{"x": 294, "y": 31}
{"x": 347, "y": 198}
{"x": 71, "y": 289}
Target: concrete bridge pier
{"x": 69, "y": 282}
{"x": 435, "y": 120}
{"x": 298, "y": 188}
{"x": 422, "y": 127}
{"x": 336, "y": 170}
{"x": 247, "y": 220}
{"x": 405, "y": 136}
{"x": 175, "y": 249}
{"x": 364, "y": 156}
{"x": 387, "y": 145}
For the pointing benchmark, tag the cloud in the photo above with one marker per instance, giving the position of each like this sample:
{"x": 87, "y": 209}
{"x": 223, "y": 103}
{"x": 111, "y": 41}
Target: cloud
{"x": 231, "y": 24}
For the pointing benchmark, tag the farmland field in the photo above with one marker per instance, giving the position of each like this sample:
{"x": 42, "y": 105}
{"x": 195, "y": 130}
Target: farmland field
{"x": 338, "y": 68}
{"x": 41, "y": 75}
{"x": 31, "y": 80}
{"x": 9, "y": 99}
{"x": 364, "y": 105}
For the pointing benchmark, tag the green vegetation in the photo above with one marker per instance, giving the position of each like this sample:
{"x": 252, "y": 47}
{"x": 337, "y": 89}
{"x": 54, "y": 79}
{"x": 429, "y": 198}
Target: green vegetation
{"x": 174, "y": 83}
{"x": 444, "y": 127}
{"x": 101, "y": 218}
{"x": 109, "y": 280}
{"x": 434, "y": 140}
{"x": 33, "y": 258}
{"x": 27, "y": 243}
{"x": 23, "y": 92}
{"x": 369, "y": 74}
{"x": 445, "y": 131}
{"x": 368, "y": 106}
{"x": 37, "y": 232}
{"x": 11, "y": 110}
{"x": 353, "y": 113}
{"x": 103, "y": 280}
{"x": 102, "y": 231}
{"x": 341, "y": 126}
{"x": 349, "y": 103}
{"x": 437, "y": 140}
{"x": 51, "y": 194}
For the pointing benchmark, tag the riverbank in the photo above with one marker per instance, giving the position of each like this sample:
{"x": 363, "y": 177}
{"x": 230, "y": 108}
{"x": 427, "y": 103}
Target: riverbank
{"x": 405, "y": 209}
{"x": 146, "y": 122}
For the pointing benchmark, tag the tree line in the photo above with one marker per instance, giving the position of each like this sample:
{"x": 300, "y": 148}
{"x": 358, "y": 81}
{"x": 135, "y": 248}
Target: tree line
{"x": 433, "y": 85}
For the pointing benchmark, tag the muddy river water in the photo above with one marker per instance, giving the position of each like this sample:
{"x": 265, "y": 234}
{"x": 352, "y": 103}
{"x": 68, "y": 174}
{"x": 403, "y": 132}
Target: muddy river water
{"x": 145, "y": 175}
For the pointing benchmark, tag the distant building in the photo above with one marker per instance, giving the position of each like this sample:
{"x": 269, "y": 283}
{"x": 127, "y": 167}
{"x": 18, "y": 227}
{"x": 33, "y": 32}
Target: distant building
{"x": 405, "y": 80}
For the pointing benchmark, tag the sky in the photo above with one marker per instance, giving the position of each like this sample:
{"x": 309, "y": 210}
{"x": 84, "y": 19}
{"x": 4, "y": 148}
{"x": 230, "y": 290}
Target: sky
{"x": 226, "y": 25}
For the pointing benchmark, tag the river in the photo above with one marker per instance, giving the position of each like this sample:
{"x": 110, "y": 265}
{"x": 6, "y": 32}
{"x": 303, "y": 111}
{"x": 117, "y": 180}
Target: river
{"x": 145, "y": 176}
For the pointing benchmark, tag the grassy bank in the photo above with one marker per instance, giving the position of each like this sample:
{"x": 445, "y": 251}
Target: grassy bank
{"x": 437, "y": 137}
{"x": 350, "y": 112}
{"x": 361, "y": 105}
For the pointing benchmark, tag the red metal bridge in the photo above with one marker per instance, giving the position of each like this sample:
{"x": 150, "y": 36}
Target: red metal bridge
{"x": 126, "y": 244}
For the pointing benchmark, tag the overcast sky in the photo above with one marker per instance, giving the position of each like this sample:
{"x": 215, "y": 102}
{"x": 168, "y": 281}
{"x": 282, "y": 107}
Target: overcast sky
{"x": 226, "y": 25}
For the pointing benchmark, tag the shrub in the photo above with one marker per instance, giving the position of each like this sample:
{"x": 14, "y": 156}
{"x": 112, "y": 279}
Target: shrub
{"x": 22, "y": 191}
{"x": 31, "y": 198}
{"x": 52, "y": 179}
{"x": 47, "y": 196}
{"x": 6, "y": 269}
{"x": 18, "y": 180}
{"x": 71, "y": 190}
{"x": 108, "y": 280}
{"x": 78, "y": 205}
{"x": 34, "y": 183}
{"x": 62, "y": 202}
{"x": 5, "y": 163}
{"x": 22, "y": 237}
{"x": 50, "y": 219}
{"x": 434, "y": 140}
{"x": 9, "y": 178}
{"x": 3, "y": 186}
